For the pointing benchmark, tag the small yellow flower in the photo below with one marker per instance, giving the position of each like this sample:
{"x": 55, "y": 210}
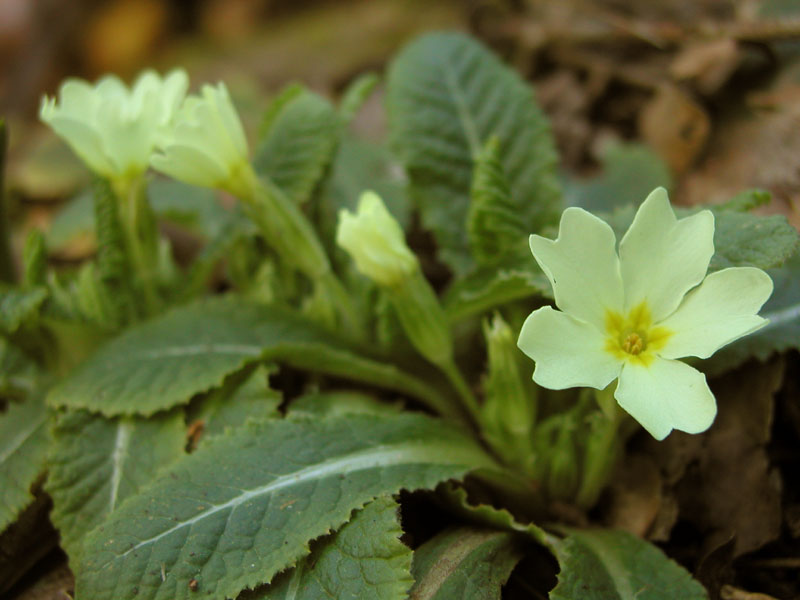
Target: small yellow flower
{"x": 112, "y": 128}
{"x": 631, "y": 315}
{"x": 207, "y": 146}
{"x": 376, "y": 242}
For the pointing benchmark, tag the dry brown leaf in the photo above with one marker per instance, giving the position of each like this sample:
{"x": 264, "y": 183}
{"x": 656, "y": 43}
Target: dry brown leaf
{"x": 634, "y": 496}
{"x": 707, "y": 65}
{"x": 675, "y": 126}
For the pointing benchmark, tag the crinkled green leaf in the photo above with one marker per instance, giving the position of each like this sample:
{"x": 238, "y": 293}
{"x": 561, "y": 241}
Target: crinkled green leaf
{"x": 615, "y": 565}
{"x": 245, "y": 505}
{"x": 234, "y": 403}
{"x": 494, "y": 224}
{"x": 780, "y": 334}
{"x": 334, "y": 404}
{"x": 465, "y": 564}
{"x": 298, "y": 144}
{"x": 493, "y": 285}
{"x": 18, "y": 373}
{"x": 364, "y": 559}
{"x": 18, "y": 305}
{"x": 447, "y": 95}
{"x": 95, "y": 463}
{"x": 630, "y": 172}
{"x": 745, "y": 239}
{"x": 23, "y": 449}
{"x": 164, "y": 362}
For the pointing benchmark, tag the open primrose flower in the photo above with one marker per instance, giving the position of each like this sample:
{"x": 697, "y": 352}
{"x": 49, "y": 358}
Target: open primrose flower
{"x": 631, "y": 315}
{"x": 114, "y": 129}
{"x": 207, "y": 146}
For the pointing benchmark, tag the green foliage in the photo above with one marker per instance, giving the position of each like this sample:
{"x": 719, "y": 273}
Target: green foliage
{"x": 23, "y": 448}
{"x": 18, "y": 373}
{"x": 364, "y": 559}
{"x": 241, "y": 398}
{"x": 447, "y": 95}
{"x": 781, "y": 333}
{"x": 300, "y": 134}
{"x": 356, "y": 94}
{"x": 615, "y": 565}
{"x": 744, "y": 239}
{"x": 164, "y": 362}
{"x": 494, "y": 224}
{"x": 34, "y": 260}
{"x": 630, "y": 172}
{"x": 465, "y": 564}
{"x": 18, "y": 306}
{"x": 95, "y": 463}
{"x": 487, "y": 287}
{"x": 245, "y": 505}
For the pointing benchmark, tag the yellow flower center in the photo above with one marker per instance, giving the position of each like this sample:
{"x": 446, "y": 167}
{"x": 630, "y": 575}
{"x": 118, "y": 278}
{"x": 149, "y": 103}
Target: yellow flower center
{"x": 633, "y": 337}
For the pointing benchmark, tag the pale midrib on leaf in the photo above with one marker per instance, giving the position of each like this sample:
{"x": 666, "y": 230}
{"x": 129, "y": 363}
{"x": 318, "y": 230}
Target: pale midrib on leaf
{"x": 468, "y": 124}
{"x": 118, "y": 456}
{"x": 449, "y": 562}
{"x": 779, "y": 317}
{"x": 619, "y": 574}
{"x": 21, "y": 438}
{"x": 357, "y": 461}
{"x": 197, "y": 349}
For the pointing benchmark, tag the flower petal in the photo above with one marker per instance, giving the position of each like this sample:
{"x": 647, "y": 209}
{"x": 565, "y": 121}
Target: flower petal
{"x": 191, "y": 165}
{"x": 662, "y": 257}
{"x": 568, "y": 352}
{"x": 666, "y": 395}
{"x": 582, "y": 266}
{"x": 722, "y": 309}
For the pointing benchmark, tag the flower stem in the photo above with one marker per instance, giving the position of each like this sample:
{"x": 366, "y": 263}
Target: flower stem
{"x": 468, "y": 400}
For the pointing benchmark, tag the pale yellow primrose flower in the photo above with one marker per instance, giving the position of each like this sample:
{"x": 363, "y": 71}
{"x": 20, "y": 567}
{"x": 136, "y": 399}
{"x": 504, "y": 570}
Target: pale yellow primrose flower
{"x": 208, "y": 146}
{"x": 112, "y": 128}
{"x": 630, "y": 316}
{"x": 376, "y": 242}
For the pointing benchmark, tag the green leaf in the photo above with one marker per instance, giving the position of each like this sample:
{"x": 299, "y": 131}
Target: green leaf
{"x": 356, "y": 94}
{"x": 490, "y": 286}
{"x": 465, "y": 564}
{"x": 73, "y": 223}
{"x": 18, "y": 306}
{"x": 335, "y": 404}
{"x": 298, "y": 144}
{"x": 192, "y": 207}
{"x": 780, "y": 334}
{"x": 447, "y": 95}
{"x": 34, "y": 260}
{"x": 744, "y": 239}
{"x": 96, "y": 463}
{"x": 18, "y": 373}
{"x": 615, "y": 565}
{"x": 630, "y": 173}
{"x": 364, "y": 559}
{"x": 23, "y": 449}
{"x": 235, "y": 402}
{"x": 245, "y": 505}
{"x": 494, "y": 224}
{"x": 164, "y": 362}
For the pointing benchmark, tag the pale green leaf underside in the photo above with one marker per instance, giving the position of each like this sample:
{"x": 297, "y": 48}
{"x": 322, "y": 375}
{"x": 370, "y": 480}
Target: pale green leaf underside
{"x": 464, "y": 564}
{"x": 364, "y": 559}
{"x": 245, "y": 505}
{"x": 744, "y": 239}
{"x": 615, "y": 565}
{"x": 298, "y": 144}
{"x": 95, "y": 463}
{"x": 447, "y": 95}
{"x": 23, "y": 450}
{"x": 164, "y": 362}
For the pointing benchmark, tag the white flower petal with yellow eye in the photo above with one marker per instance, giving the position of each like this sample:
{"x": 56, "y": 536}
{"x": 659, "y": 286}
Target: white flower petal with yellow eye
{"x": 662, "y": 257}
{"x": 582, "y": 266}
{"x": 568, "y": 352}
{"x": 85, "y": 141}
{"x": 722, "y": 309}
{"x": 666, "y": 395}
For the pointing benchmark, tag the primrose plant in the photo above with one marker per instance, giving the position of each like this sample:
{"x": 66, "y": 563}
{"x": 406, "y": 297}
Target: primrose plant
{"x": 241, "y": 423}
